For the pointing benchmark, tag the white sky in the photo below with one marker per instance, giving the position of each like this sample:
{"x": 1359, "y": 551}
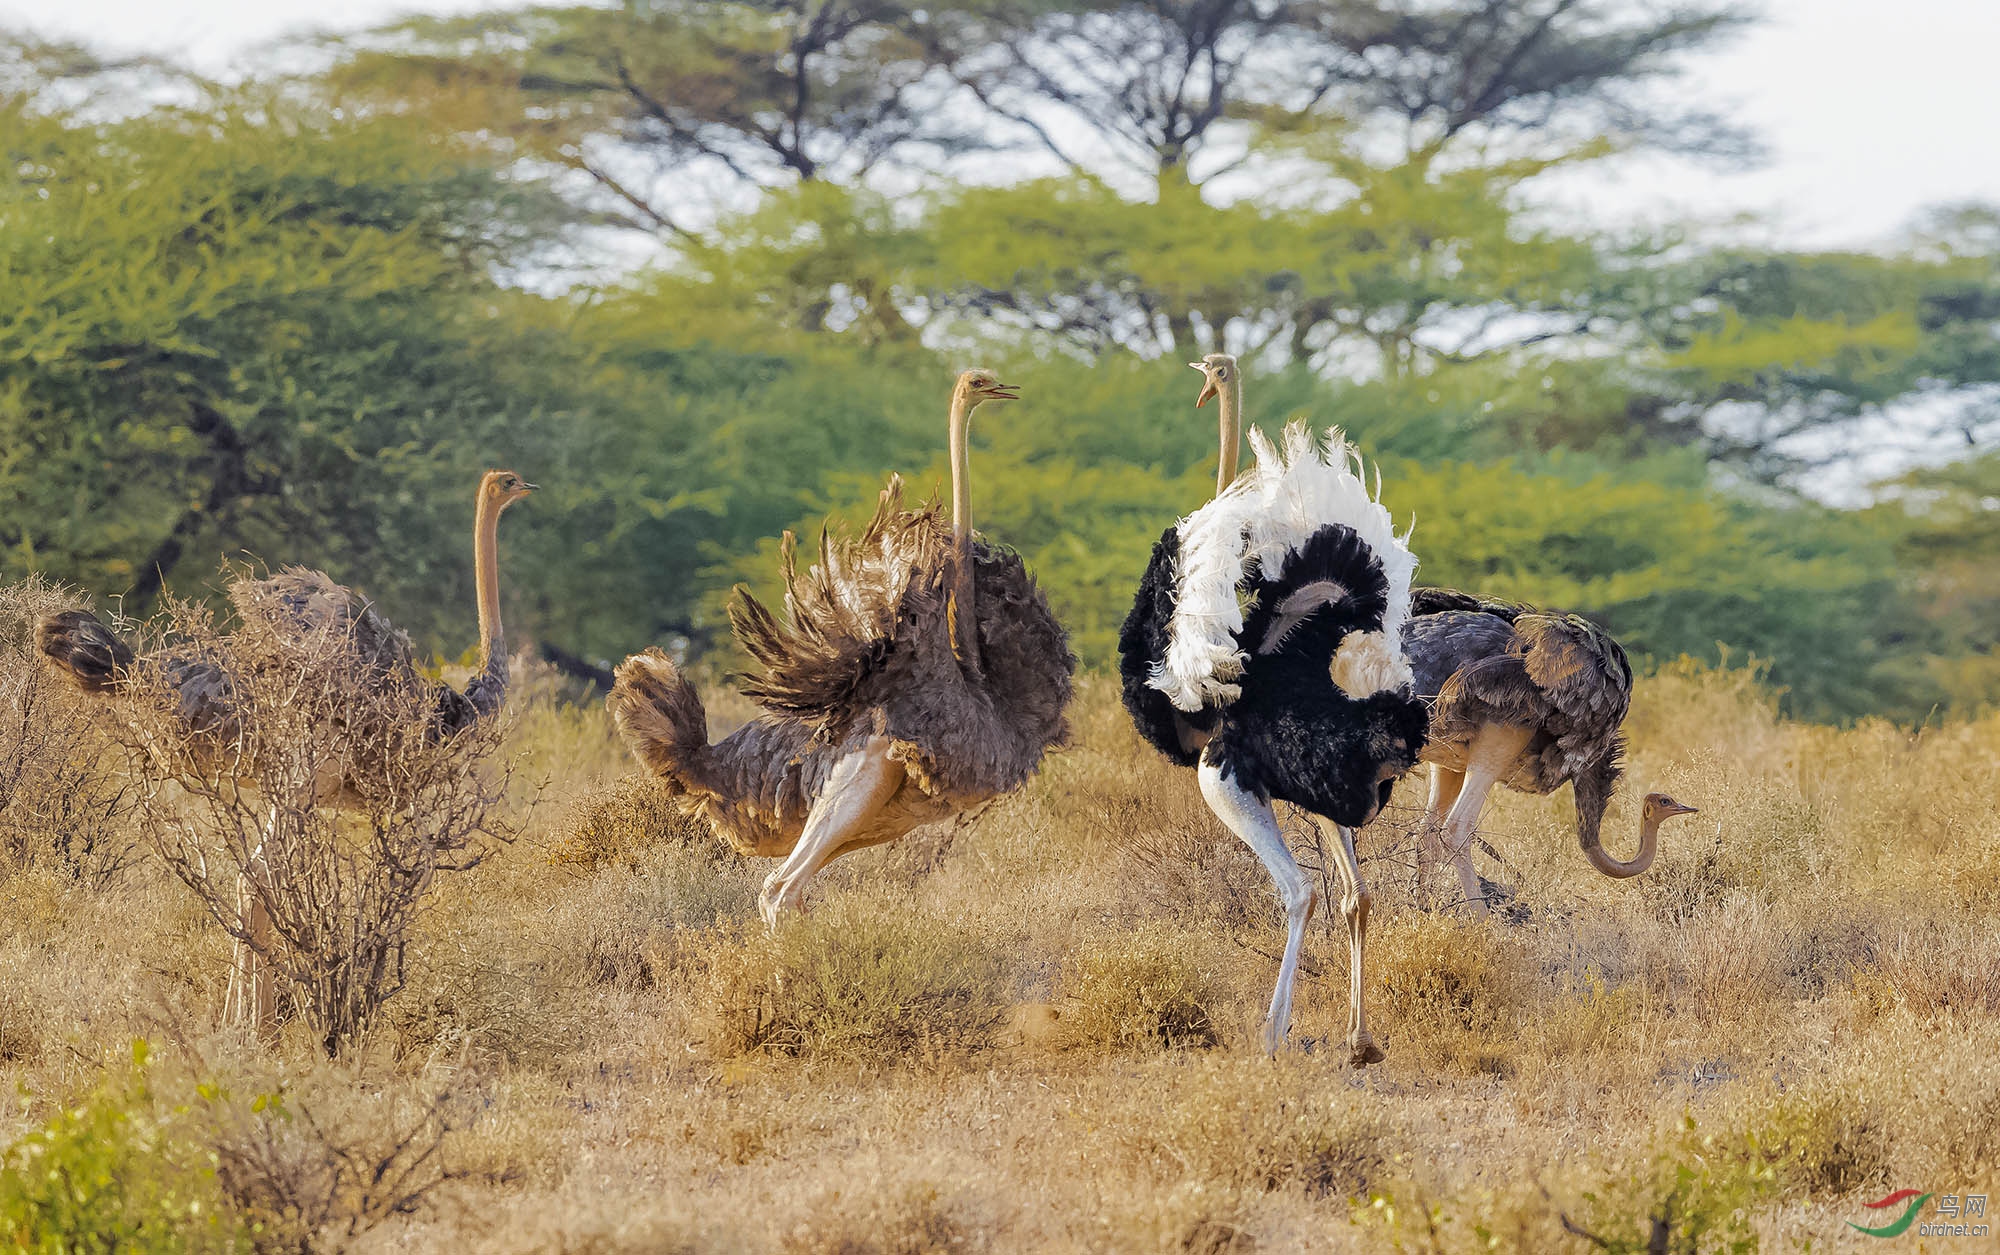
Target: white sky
{"x": 1871, "y": 109}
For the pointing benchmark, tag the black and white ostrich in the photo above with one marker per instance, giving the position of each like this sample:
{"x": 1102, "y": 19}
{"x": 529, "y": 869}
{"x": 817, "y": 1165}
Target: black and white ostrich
{"x": 1263, "y": 649}
{"x": 1526, "y": 698}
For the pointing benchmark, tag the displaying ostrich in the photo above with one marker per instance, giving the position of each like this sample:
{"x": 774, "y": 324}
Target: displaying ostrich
{"x": 1263, "y": 649}
{"x": 920, "y": 673}
{"x": 296, "y": 605}
{"x": 1528, "y": 699}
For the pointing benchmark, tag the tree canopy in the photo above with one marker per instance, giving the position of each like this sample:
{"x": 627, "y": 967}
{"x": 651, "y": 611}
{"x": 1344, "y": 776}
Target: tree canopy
{"x": 295, "y": 318}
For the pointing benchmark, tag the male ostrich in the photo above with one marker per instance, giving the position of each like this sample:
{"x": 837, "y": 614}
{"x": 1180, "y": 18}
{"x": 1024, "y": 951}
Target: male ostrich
{"x": 921, "y": 673}
{"x": 1527, "y": 699}
{"x": 300, "y": 606}
{"x": 1306, "y": 696}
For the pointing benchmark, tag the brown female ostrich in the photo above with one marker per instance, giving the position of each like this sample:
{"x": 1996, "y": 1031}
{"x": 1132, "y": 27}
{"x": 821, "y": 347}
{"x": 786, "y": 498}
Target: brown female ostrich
{"x": 1527, "y": 699}
{"x": 298, "y": 606}
{"x": 920, "y": 674}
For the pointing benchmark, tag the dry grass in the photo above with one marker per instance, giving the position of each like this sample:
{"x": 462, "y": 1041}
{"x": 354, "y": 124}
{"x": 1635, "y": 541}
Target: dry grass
{"x": 1036, "y": 1031}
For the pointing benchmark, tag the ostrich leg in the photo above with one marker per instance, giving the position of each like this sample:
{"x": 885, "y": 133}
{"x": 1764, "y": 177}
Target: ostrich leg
{"x": 1493, "y": 752}
{"x": 859, "y": 786}
{"x": 1445, "y": 786}
{"x": 1250, "y": 818}
{"x": 1354, "y": 902}
{"x": 252, "y": 999}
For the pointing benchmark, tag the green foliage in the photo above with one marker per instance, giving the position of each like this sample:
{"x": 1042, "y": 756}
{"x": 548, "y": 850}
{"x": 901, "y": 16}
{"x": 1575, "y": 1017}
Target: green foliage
{"x": 298, "y": 322}
{"x": 112, "y": 1174}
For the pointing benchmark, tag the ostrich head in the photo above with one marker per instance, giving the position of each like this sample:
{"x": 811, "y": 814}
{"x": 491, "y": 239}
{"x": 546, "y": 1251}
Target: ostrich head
{"x": 1656, "y": 807}
{"x": 1393, "y": 727}
{"x": 1218, "y": 369}
{"x": 978, "y": 385}
{"x": 500, "y": 489}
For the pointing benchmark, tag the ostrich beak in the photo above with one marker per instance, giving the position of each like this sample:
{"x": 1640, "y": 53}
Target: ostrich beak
{"x": 527, "y": 487}
{"x": 1207, "y": 386}
{"x": 1678, "y": 809}
{"x": 1004, "y": 392}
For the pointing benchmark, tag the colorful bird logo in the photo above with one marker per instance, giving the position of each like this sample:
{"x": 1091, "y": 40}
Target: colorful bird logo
{"x": 1895, "y": 1227}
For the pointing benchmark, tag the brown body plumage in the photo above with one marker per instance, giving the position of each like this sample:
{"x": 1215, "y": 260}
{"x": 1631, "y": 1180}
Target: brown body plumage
{"x": 1528, "y": 699}
{"x": 291, "y": 618}
{"x": 887, "y": 705}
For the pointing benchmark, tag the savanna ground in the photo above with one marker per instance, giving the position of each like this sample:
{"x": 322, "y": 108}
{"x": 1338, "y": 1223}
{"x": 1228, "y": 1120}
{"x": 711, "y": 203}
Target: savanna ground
{"x": 1035, "y": 1030}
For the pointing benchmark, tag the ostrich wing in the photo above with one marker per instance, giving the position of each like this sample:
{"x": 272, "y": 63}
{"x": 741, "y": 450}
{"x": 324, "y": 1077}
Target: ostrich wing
{"x": 1446, "y": 644}
{"x": 1027, "y": 667}
{"x": 296, "y": 606}
{"x": 1578, "y": 665}
{"x": 844, "y": 615}
{"x": 1273, "y": 511}
{"x": 1446, "y": 600}
{"x": 1142, "y": 643}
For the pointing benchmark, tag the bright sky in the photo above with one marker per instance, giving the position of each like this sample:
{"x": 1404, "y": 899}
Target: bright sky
{"x": 1871, "y": 110}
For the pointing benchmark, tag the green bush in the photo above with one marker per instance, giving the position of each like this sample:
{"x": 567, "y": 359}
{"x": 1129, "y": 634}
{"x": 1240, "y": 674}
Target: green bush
{"x": 112, "y": 1174}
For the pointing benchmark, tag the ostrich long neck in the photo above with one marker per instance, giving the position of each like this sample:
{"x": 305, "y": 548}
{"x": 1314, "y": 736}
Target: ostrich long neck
{"x": 1590, "y": 819}
{"x": 1230, "y": 419}
{"x": 486, "y": 577}
{"x": 965, "y": 626}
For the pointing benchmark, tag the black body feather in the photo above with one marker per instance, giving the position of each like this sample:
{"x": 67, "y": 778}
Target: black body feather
{"x": 1141, "y": 643}
{"x": 1291, "y": 734}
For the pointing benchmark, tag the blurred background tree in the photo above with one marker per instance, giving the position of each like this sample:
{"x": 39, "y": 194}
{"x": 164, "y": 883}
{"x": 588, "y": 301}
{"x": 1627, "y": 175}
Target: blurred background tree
{"x": 703, "y": 268}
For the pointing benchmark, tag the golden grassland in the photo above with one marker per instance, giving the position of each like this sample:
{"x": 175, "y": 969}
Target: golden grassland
{"x": 1035, "y": 1029}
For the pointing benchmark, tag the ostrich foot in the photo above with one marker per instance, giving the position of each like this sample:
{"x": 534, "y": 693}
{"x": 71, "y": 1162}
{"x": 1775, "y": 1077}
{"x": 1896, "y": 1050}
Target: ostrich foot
{"x": 1362, "y": 1050}
{"x": 770, "y": 900}
{"x": 1277, "y": 1037}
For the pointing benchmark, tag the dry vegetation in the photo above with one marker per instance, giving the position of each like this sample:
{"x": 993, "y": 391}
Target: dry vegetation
{"x": 1035, "y": 1031}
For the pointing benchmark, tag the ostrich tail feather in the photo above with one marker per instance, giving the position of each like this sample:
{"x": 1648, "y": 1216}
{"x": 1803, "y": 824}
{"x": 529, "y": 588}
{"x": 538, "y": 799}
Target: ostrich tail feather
{"x": 84, "y": 649}
{"x": 661, "y": 716}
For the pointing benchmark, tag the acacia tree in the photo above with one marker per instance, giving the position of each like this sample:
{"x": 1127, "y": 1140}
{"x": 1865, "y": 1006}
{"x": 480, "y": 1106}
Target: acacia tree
{"x": 1180, "y": 91}
{"x": 238, "y": 324}
{"x": 665, "y": 104}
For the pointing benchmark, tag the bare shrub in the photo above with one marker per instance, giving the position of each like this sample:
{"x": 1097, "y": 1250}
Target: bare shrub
{"x": 58, "y": 801}
{"x": 1149, "y": 990}
{"x": 293, "y": 771}
{"x": 314, "y": 1176}
{"x": 1184, "y": 866}
{"x": 853, "y": 980}
{"x": 1194, "y": 1217}
{"x": 462, "y": 1000}
{"x": 622, "y": 927}
{"x": 1823, "y": 1138}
